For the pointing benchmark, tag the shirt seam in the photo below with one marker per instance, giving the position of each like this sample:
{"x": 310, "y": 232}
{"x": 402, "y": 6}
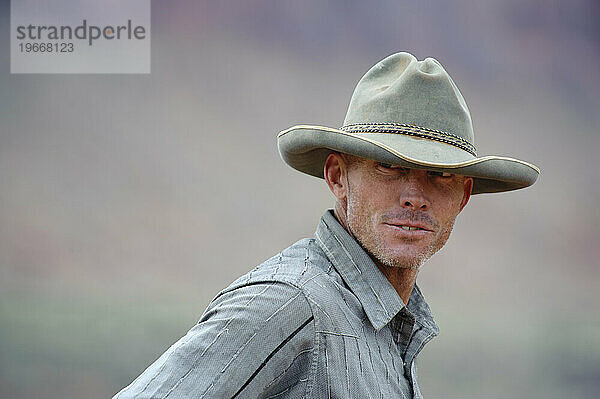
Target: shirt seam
{"x": 306, "y": 322}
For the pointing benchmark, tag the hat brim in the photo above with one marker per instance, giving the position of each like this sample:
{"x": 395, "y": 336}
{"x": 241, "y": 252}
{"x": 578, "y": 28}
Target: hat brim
{"x": 306, "y": 147}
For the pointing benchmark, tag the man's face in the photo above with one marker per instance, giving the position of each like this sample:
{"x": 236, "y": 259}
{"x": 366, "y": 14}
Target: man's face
{"x": 401, "y": 216}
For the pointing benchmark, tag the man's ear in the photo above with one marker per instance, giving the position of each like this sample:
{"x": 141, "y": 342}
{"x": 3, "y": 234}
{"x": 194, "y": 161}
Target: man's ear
{"x": 468, "y": 188}
{"x": 334, "y": 172}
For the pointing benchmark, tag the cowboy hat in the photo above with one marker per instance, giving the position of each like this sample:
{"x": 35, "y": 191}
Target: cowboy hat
{"x": 410, "y": 113}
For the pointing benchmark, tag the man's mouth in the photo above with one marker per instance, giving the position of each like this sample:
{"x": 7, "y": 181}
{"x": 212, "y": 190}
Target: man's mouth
{"x": 418, "y": 223}
{"x": 410, "y": 228}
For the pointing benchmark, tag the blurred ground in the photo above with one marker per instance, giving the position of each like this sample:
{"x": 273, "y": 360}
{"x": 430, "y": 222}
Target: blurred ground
{"x": 128, "y": 202}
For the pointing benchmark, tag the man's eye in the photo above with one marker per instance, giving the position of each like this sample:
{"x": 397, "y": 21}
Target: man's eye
{"x": 390, "y": 167}
{"x": 439, "y": 174}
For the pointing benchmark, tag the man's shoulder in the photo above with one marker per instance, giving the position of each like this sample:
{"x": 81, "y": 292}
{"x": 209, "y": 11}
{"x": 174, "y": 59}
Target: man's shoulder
{"x": 303, "y": 270}
{"x": 296, "y": 266}
{"x": 252, "y": 333}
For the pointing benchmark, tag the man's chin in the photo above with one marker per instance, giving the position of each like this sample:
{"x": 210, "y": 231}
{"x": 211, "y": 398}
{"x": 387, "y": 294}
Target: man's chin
{"x": 402, "y": 259}
{"x": 408, "y": 263}
{"x": 402, "y": 253}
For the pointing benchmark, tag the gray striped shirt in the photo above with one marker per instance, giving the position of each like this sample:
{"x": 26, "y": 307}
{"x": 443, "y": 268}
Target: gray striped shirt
{"x": 318, "y": 320}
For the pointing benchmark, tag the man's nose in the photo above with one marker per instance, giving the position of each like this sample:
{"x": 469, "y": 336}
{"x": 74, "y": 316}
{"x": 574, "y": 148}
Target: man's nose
{"x": 413, "y": 195}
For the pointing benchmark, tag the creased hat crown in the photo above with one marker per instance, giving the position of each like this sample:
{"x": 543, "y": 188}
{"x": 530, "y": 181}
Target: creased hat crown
{"x": 402, "y": 90}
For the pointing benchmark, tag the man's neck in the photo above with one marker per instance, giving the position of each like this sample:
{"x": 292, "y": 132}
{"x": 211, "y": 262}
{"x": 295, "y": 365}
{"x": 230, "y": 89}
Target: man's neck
{"x": 402, "y": 279}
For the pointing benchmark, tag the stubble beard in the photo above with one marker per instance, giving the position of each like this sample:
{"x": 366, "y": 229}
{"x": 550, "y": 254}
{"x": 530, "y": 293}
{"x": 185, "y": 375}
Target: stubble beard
{"x": 360, "y": 223}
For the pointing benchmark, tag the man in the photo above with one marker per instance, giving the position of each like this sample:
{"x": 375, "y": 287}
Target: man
{"x": 339, "y": 315}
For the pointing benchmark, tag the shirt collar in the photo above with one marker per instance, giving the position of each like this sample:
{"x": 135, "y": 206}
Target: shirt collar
{"x": 377, "y": 296}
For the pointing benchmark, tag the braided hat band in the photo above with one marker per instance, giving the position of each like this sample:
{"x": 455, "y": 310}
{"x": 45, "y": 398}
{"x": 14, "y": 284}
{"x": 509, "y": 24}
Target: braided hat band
{"x": 411, "y": 130}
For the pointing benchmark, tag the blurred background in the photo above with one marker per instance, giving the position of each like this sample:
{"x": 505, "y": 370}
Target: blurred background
{"x": 128, "y": 201}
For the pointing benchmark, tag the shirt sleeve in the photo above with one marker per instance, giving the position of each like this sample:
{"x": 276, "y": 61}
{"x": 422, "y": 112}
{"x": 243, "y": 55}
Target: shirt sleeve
{"x": 252, "y": 341}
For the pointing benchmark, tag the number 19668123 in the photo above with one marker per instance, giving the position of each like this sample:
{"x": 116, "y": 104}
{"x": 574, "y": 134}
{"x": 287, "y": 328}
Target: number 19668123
{"x": 46, "y": 47}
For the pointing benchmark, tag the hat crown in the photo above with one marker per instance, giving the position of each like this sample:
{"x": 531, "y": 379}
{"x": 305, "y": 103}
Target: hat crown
{"x": 403, "y": 90}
